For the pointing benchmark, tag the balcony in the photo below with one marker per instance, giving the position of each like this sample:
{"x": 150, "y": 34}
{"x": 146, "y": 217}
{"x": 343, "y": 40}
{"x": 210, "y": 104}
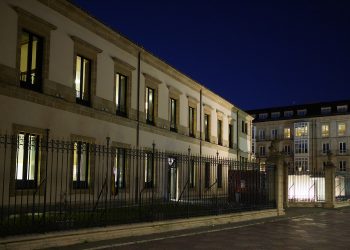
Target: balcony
{"x": 272, "y": 138}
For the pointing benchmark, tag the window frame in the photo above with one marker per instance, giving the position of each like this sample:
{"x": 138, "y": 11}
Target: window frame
{"x": 147, "y": 104}
{"x": 149, "y": 158}
{"x": 191, "y": 126}
{"x": 121, "y": 111}
{"x": 219, "y": 175}
{"x": 207, "y": 127}
{"x": 80, "y": 99}
{"x": 219, "y": 132}
{"x": 173, "y": 114}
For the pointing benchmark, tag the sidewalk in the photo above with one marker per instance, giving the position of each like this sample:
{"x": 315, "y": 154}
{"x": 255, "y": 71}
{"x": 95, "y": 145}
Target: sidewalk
{"x": 128, "y": 232}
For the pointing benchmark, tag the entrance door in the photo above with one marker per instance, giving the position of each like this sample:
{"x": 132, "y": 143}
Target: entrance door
{"x": 172, "y": 178}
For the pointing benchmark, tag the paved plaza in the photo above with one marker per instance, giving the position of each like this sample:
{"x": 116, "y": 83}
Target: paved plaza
{"x": 300, "y": 229}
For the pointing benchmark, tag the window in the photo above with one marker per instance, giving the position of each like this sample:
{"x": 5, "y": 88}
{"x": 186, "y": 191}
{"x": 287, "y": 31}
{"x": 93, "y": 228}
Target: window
{"x": 286, "y": 133}
{"x": 219, "y": 131}
{"x": 342, "y": 165}
{"x": 275, "y": 115}
{"x": 341, "y": 129}
{"x": 149, "y": 105}
{"x": 301, "y": 146}
{"x": 230, "y": 135}
{"x": 121, "y": 93}
{"x": 31, "y": 53}
{"x": 219, "y": 175}
{"x": 286, "y": 149}
{"x": 149, "y": 170}
{"x": 27, "y": 160}
{"x": 191, "y": 121}
{"x": 325, "y": 148}
{"x": 119, "y": 169}
{"x": 325, "y": 130}
{"x": 207, "y": 175}
{"x": 262, "y": 151}
{"x": 263, "y": 116}
{"x": 244, "y": 127}
{"x": 301, "y": 129}
{"x": 301, "y": 112}
{"x": 82, "y": 80}
{"x": 274, "y": 134}
{"x": 206, "y": 127}
{"x": 81, "y": 162}
{"x": 301, "y": 164}
{"x": 173, "y": 115}
{"x": 288, "y": 113}
{"x": 192, "y": 174}
{"x": 342, "y": 147}
{"x": 326, "y": 110}
{"x": 262, "y": 134}
{"x": 342, "y": 108}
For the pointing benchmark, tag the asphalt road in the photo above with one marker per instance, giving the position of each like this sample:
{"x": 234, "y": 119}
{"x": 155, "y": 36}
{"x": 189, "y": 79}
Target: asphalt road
{"x": 300, "y": 229}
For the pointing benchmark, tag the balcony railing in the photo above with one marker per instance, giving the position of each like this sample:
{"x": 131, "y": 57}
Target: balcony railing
{"x": 272, "y": 138}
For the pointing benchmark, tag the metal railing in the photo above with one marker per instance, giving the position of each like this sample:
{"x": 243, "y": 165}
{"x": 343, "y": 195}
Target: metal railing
{"x": 75, "y": 186}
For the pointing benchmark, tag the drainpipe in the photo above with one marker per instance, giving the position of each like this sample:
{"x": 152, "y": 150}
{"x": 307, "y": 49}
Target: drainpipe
{"x": 237, "y": 139}
{"x": 138, "y": 127}
{"x": 200, "y": 141}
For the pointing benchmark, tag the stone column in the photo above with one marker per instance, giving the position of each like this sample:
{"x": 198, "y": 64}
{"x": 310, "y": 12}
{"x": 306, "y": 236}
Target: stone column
{"x": 285, "y": 186}
{"x": 329, "y": 185}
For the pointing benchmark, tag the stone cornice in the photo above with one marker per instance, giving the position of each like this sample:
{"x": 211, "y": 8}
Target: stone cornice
{"x": 174, "y": 90}
{"x": 151, "y": 78}
{"x": 123, "y": 64}
{"x": 85, "y": 44}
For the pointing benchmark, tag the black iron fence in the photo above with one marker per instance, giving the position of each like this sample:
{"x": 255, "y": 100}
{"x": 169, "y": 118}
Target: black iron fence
{"x": 53, "y": 185}
{"x": 342, "y": 185}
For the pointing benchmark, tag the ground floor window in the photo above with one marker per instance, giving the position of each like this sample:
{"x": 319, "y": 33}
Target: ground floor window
{"x": 81, "y": 165}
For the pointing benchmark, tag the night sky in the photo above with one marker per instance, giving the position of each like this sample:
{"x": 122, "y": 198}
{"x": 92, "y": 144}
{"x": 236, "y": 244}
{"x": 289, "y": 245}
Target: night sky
{"x": 256, "y": 54}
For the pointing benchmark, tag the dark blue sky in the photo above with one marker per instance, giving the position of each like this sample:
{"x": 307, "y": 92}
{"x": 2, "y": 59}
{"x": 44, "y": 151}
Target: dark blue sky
{"x": 255, "y": 54}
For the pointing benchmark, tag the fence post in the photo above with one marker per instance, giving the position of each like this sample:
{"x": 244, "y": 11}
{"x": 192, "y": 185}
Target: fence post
{"x": 46, "y": 167}
{"x": 107, "y": 184}
{"x": 188, "y": 181}
{"x": 329, "y": 183}
{"x": 285, "y": 185}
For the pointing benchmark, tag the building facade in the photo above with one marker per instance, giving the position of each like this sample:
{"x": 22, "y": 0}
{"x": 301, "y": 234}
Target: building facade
{"x": 65, "y": 75}
{"x": 306, "y": 134}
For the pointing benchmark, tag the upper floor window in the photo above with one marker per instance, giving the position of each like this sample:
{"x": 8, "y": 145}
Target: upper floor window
{"x": 288, "y": 113}
{"x": 342, "y": 147}
{"x": 119, "y": 169}
{"x": 341, "y": 128}
{"x": 82, "y": 80}
{"x": 301, "y": 129}
{"x": 325, "y": 148}
{"x": 301, "y": 146}
{"x": 149, "y": 105}
{"x": 244, "y": 127}
{"x": 120, "y": 93}
{"x": 302, "y": 112}
{"x": 219, "y": 131}
{"x": 206, "y": 127}
{"x": 286, "y": 149}
{"x": 262, "y": 151}
{"x": 342, "y": 165}
{"x": 326, "y": 110}
{"x": 325, "y": 130}
{"x": 230, "y": 135}
{"x": 81, "y": 165}
{"x": 219, "y": 175}
{"x": 191, "y": 121}
{"x": 31, "y": 58}
{"x": 274, "y": 134}
{"x": 286, "y": 133}
{"x": 275, "y": 115}
{"x": 262, "y": 134}
{"x": 342, "y": 108}
{"x": 27, "y": 160}
{"x": 173, "y": 118}
{"x": 263, "y": 116}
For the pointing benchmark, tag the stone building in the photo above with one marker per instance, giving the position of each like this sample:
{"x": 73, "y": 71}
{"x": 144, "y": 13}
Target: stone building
{"x": 65, "y": 75}
{"x": 306, "y": 134}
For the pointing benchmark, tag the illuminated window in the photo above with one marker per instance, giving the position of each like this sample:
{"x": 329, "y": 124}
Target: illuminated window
{"x": 342, "y": 165}
{"x": 342, "y": 108}
{"x": 342, "y": 147}
{"x": 301, "y": 164}
{"x": 325, "y": 147}
{"x": 219, "y": 132}
{"x": 31, "y": 61}
{"x": 149, "y": 170}
{"x": 301, "y": 129}
{"x": 191, "y": 121}
{"x": 326, "y": 110}
{"x": 119, "y": 168}
{"x": 82, "y": 80}
{"x": 341, "y": 128}
{"x": 206, "y": 127}
{"x": 81, "y": 165}
{"x": 192, "y": 177}
{"x": 173, "y": 117}
{"x": 27, "y": 160}
{"x": 325, "y": 130}
{"x": 286, "y": 133}
{"x": 120, "y": 93}
{"x": 149, "y": 105}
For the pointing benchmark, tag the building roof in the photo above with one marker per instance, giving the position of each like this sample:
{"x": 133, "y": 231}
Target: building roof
{"x": 341, "y": 107}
